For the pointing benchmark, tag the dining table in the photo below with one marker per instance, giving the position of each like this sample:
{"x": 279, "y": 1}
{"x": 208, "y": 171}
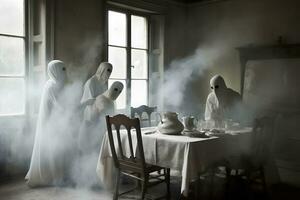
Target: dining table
{"x": 188, "y": 154}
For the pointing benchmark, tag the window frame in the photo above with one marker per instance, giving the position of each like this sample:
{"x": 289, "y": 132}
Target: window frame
{"x": 25, "y": 37}
{"x": 128, "y": 47}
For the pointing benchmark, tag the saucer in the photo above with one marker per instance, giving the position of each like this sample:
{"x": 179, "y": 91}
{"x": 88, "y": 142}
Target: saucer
{"x": 188, "y": 131}
{"x": 196, "y": 133}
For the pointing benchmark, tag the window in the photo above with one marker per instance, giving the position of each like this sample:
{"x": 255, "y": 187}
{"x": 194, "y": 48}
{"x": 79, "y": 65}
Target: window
{"x": 12, "y": 57}
{"x": 128, "y": 53}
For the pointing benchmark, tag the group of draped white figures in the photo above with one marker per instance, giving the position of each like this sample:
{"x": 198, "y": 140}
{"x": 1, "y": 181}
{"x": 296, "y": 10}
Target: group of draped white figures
{"x": 61, "y": 152}
{"x": 58, "y": 155}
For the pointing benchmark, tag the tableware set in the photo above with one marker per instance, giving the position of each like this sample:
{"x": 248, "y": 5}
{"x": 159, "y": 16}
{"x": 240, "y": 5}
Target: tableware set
{"x": 169, "y": 124}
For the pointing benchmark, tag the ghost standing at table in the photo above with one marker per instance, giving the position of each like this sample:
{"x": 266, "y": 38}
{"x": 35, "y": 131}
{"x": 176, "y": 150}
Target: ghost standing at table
{"x": 104, "y": 104}
{"x": 95, "y": 86}
{"x": 222, "y": 103}
{"x": 47, "y": 166}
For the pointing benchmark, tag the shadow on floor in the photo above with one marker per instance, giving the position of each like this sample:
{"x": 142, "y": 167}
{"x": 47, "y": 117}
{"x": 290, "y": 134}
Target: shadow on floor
{"x": 204, "y": 190}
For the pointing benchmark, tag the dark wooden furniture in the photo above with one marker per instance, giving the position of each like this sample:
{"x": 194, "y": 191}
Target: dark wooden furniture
{"x": 286, "y": 158}
{"x": 251, "y": 166}
{"x": 268, "y": 52}
{"x": 133, "y": 165}
{"x": 143, "y": 109}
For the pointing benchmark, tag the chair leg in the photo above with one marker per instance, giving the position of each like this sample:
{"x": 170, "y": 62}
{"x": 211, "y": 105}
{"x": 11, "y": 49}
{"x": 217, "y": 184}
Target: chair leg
{"x": 228, "y": 182}
{"x": 116, "y": 194}
{"x": 167, "y": 178}
{"x": 264, "y": 184}
{"x": 144, "y": 187}
{"x": 138, "y": 183}
{"x": 211, "y": 190}
{"x": 198, "y": 186}
{"x": 248, "y": 185}
{"x": 228, "y": 172}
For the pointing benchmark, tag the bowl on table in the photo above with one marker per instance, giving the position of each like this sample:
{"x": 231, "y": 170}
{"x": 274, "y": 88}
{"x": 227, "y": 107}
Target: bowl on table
{"x": 195, "y": 133}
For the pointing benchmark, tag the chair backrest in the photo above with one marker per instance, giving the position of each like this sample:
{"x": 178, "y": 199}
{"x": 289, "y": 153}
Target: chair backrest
{"x": 143, "y": 109}
{"x": 263, "y": 133}
{"x": 132, "y": 126}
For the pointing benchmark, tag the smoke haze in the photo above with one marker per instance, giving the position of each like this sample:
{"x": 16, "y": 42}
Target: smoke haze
{"x": 179, "y": 76}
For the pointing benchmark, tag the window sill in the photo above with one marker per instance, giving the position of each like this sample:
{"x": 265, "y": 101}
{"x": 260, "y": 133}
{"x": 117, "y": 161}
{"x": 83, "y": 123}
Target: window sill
{"x": 12, "y": 116}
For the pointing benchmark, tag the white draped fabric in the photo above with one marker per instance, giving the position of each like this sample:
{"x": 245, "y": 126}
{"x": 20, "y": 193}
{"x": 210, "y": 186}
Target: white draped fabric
{"x": 222, "y": 102}
{"x": 182, "y": 153}
{"x": 103, "y": 104}
{"x": 95, "y": 86}
{"x": 92, "y": 139}
{"x": 48, "y": 159}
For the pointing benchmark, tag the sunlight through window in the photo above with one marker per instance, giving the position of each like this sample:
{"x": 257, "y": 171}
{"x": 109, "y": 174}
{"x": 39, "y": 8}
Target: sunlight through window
{"x": 133, "y": 72}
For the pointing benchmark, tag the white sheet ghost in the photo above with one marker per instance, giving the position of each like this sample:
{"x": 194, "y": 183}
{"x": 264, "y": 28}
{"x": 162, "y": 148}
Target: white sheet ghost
{"x": 90, "y": 142}
{"x": 47, "y": 161}
{"x": 95, "y": 86}
{"x": 103, "y": 105}
{"x": 222, "y": 102}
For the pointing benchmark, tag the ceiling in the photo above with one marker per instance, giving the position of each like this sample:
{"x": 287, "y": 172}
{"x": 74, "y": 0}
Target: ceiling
{"x": 190, "y": 1}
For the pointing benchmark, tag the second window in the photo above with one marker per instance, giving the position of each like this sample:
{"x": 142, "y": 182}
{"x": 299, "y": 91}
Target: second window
{"x": 128, "y": 53}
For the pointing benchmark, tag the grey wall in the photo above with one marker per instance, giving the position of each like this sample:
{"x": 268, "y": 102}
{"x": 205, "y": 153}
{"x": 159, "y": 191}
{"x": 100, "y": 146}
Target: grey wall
{"x": 79, "y": 35}
{"x": 175, "y": 33}
{"x": 216, "y": 29}
{"x": 79, "y": 42}
{"x": 219, "y": 28}
{"x": 79, "y": 25}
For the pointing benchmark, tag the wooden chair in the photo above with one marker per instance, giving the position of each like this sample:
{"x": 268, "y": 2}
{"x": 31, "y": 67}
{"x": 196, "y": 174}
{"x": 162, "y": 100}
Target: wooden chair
{"x": 133, "y": 165}
{"x": 252, "y": 165}
{"x": 143, "y": 109}
{"x": 249, "y": 167}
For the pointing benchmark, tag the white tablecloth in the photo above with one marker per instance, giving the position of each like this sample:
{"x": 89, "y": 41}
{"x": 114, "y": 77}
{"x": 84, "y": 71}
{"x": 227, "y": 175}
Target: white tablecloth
{"x": 185, "y": 154}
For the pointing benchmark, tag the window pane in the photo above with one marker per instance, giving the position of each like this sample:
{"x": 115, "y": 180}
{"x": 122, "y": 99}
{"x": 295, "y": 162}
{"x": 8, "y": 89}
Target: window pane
{"x": 117, "y": 57}
{"x": 139, "y": 93}
{"x": 12, "y": 96}
{"x": 140, "y": 62}
{"x": 121, "y": 100}
{"x": 138, "y": 32}
{"x": 12, "y": 17}
{"x": 116, "y": 28}
{"x": 12, "y": 56}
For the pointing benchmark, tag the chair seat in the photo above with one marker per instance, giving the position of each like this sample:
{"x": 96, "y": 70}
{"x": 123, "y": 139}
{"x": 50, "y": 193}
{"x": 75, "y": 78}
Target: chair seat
{"x": 250, "y": 166}
{"x": 153, "y": 168}
{"x": 247, "y": 162}
{"x": 127, "y": 164}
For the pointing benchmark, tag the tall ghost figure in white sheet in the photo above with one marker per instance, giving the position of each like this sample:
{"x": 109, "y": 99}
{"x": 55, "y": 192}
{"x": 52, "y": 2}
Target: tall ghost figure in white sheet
{"x": 47, "y": 165}
{"x": 93, "y": 87}
{"x": 222, "y": 102}
{"x": 104, "y": 105}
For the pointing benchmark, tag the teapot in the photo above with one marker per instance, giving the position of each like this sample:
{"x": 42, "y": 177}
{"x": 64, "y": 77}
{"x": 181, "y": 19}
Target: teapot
{"x": 169, "y": 124}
